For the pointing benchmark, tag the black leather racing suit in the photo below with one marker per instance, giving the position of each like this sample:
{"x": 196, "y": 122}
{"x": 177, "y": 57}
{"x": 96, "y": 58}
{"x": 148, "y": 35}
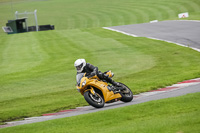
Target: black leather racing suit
{"x": 89, "y": 69}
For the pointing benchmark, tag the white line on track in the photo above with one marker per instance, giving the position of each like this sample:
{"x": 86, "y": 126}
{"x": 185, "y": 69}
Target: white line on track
{"x": 120, "y": 31}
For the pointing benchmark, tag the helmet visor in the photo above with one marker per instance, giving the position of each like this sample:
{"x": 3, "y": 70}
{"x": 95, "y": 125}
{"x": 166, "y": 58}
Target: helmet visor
{"x": 78, "y": 68}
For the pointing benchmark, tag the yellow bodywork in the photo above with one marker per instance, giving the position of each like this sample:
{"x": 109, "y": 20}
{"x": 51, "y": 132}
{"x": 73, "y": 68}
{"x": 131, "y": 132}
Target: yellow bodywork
{"x": 94, "y": 82}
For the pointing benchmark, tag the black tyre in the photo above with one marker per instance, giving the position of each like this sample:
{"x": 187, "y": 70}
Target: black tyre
{"x": 127, "y": 94}
{"x": 95, "y": 100}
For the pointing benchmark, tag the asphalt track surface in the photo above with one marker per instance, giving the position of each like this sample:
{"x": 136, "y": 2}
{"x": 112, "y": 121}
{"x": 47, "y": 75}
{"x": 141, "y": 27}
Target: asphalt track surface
{"x": 184, "y": 32}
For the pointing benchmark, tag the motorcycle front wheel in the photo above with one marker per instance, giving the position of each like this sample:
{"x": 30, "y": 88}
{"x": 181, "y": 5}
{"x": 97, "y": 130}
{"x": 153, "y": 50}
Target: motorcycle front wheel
{"x": 94, "y": 100}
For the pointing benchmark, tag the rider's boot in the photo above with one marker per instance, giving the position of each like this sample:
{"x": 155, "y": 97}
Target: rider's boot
{"x": 108, "y": 79}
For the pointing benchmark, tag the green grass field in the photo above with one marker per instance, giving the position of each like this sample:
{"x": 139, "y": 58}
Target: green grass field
{"x": 172, "y": 115}
{"x": 36, "y": 69}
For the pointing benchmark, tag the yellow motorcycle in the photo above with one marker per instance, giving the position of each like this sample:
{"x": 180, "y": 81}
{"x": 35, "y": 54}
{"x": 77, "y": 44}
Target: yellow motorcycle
{"x": 98, "y": 92}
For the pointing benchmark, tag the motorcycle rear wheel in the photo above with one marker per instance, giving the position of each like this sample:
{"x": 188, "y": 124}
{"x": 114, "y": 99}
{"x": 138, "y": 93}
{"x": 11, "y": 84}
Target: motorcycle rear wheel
{"x": 94, "y": 100}
{"x": 127, "y": 94}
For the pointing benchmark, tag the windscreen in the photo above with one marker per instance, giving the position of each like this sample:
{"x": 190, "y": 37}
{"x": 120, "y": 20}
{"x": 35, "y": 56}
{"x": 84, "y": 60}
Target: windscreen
{"x": 79, "y": 77}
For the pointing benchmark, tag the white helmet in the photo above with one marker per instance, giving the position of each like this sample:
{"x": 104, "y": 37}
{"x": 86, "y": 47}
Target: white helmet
{"x": 80, "y": 64}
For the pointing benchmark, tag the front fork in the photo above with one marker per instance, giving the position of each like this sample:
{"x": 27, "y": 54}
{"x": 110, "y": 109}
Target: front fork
{"x": 92, "y": 91}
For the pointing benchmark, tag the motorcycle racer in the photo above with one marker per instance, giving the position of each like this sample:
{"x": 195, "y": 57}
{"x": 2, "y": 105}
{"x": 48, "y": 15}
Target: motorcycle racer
{"x": 89, "y": 69}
